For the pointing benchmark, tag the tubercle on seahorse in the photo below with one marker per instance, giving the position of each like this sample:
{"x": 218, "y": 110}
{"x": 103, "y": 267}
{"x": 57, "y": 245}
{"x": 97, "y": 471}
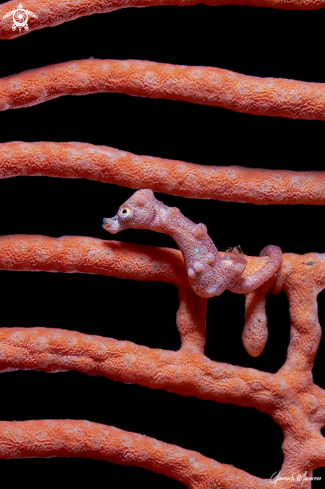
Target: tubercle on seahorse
{"x": 208, "y": 273}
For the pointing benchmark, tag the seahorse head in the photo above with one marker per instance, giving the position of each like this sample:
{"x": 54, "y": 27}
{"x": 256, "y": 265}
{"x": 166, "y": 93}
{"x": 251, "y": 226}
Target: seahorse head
{"x": 137, "y": 212}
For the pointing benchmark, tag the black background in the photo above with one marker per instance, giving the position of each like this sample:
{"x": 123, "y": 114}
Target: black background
{"x": 253, "y": 41}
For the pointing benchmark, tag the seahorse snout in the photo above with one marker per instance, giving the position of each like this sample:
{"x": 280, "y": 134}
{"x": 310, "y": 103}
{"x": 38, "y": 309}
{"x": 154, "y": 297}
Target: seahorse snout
{"x": 111, "y": 224}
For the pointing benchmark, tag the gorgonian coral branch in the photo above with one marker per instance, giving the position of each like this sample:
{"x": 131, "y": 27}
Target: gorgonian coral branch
{"x": 105, "y": 164}
{"x": 200, "y": 85}
{"x": 82, "y": 254}
{"x": 305, "y": 331}
{"x": 289, "y": 396}
{"x": 84, "y": 439}
{"x": 51, "y": 13}
{"x": 58, "y": 350}
{"x": 255, "y": 332}
{"x": 88, "y": 255}
{"x": 137, "y": 262}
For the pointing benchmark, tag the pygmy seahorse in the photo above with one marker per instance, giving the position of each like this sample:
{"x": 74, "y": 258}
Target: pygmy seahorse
{"x": 208, "y": 273}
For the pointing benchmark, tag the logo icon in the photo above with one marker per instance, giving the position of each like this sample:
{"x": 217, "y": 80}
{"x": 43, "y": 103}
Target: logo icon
{"x": 20, "y": 17}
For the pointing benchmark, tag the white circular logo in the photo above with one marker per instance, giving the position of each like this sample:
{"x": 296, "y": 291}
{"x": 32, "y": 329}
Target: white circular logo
{"x": 20, "y": 17}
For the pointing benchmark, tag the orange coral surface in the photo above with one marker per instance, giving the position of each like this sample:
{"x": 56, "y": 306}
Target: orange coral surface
{"x": 289, "y": 396}
{"x": 109, "y": 165}
{"x": 51, "y": 13}
{"x": 200, "y": 85}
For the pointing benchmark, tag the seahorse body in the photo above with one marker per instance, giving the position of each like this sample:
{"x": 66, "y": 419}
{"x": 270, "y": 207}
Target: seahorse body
{"x": 208, "y": 274}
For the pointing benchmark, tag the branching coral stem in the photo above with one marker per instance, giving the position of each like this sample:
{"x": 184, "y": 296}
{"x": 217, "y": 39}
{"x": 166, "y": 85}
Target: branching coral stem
{"x": 109, "y": 165}
{"x": 289, "y": 395}
{"x": 58, "y": 350}
{"x": 274, "y": 97}
{"x": 51, "y": 13}
{"x": 84, "y": 439}
{"x": 138, "y": 262}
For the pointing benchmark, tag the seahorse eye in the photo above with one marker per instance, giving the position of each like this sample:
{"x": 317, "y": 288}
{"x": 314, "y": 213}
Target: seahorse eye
{"x": 124, "y": 211}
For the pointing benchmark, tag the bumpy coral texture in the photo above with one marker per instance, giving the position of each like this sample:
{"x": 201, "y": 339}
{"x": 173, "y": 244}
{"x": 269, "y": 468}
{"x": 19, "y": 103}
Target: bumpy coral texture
{"x": 51, "y": 13}
{"x": 227, "y": 183}
{"x": 200, "y": 85}
{"x": 289, "y": 396}
{"x": 198, "y": 270}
